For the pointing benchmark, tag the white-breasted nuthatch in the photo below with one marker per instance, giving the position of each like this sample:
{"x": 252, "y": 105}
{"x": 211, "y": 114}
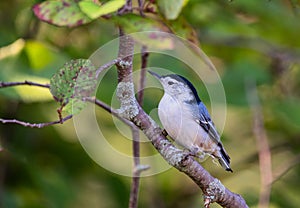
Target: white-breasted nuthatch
{"x": 186, "y": 119}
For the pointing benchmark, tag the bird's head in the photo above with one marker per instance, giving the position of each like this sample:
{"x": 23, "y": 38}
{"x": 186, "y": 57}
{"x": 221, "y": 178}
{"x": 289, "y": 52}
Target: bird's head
{"x": 177, "y": 87}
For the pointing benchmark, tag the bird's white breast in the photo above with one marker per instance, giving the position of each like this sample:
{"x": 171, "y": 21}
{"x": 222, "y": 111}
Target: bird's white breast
{"x": 178, "y": 120}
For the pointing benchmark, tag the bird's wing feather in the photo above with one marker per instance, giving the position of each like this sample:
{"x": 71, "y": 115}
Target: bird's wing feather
{"x": 206, "y": 123}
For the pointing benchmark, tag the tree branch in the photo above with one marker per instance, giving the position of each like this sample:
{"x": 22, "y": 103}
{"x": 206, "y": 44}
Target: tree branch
{"x": 133, "y": 200}
{"x": 126, "y": 48}
{"x": 212, "y": 188}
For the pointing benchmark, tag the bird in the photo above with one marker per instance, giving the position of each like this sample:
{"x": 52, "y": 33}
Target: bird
{"x": 186, "y": 119}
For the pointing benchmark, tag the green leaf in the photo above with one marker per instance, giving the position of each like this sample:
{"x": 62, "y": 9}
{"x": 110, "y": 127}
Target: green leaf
{"x": 61, "y": 13}
{"x": 94, "y": 10}
{"x": 73, "y": 82}
{"x": 132, "y": 23}
{"x": 184, "y": 30}
{"x": 171, "y": 9}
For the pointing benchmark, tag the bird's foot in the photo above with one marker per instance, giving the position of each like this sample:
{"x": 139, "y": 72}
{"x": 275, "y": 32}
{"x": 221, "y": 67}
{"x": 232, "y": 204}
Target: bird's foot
{"x": 199, "y": 154}
{"x": 194, "y": 152}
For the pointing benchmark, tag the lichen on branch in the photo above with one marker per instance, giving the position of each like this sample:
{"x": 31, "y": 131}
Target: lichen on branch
{"x": 129, "y": 107}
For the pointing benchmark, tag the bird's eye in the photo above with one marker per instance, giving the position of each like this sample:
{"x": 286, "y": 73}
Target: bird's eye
{"x": 170, "y": 83}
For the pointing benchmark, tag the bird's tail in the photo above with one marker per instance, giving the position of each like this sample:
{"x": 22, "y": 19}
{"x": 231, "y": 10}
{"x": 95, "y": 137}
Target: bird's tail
{"x": 224, "y": 158}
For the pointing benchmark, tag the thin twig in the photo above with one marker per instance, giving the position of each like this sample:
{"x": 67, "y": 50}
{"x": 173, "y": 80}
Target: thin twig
{"x": 12, "y": 84}
{"x": 106, "y": 66}
{"x": 127, "y": 8}
{"x": 109, "y": 109}
{"x": 264, "y": 153}
{"x": 135, "y": 183}
{"x": 142, "y": 85}
{"x": 133, "y": 200}
{"x": 28, "y": 124}
{"x": 141, "y": 7}
{"x": 285, "y": 167}
{"x": 34, "y": 125}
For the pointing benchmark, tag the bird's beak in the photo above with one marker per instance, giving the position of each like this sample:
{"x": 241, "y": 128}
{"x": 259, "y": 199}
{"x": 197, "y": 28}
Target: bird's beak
{"x": 154, "y": 74}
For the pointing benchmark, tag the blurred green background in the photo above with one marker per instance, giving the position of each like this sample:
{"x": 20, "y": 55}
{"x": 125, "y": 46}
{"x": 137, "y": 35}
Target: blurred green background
{"x": 256, "y": 40}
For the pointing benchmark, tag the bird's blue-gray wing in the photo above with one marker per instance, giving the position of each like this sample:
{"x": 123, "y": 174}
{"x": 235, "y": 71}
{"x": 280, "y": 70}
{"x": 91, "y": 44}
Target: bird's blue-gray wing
{"x": 206, "y": 123}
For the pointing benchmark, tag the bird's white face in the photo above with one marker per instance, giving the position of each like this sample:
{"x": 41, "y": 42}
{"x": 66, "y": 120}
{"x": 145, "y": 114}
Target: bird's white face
{"x": 173, "y": 86}
{"x": 177, "y": 88}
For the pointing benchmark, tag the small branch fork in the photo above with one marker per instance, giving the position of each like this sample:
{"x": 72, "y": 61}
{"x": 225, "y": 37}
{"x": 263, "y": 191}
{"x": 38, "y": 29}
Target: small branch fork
{"x": 59, "y": 111}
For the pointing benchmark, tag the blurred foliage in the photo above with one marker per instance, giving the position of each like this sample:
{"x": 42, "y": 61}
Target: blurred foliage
{"x": 246, "y": 40}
